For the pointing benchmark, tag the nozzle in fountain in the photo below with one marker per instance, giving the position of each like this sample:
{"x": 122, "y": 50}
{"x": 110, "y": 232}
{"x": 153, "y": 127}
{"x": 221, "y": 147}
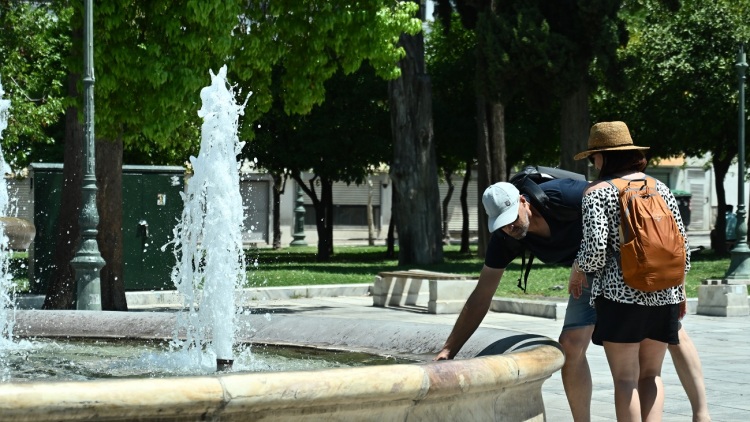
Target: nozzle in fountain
{"x": 224, "y": 364}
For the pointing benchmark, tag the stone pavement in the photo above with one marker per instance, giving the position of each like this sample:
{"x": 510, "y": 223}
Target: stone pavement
{"x": 723, "y": 344}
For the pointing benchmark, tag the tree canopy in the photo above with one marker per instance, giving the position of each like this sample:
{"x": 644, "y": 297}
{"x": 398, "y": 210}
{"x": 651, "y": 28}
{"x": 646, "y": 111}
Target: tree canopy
{"x": 33, "y": 43}
{"x": 681, "y": 78}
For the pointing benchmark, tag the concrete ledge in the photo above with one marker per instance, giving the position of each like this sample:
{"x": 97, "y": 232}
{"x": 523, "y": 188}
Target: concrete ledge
{"x": 442, "y": 293}
{"x": 725, "y": 300}
{"x": 549, "y": 308}
{"x": 537, "y": 308}
{"x": 172, "y": 299}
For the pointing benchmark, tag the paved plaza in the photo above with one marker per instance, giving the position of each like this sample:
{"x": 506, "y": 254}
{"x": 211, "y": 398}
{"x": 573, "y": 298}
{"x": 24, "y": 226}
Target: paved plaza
{"x": 723, "y": 344}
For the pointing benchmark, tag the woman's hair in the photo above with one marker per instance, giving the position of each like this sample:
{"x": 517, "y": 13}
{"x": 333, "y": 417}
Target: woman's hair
{"x": 625, "y": 161}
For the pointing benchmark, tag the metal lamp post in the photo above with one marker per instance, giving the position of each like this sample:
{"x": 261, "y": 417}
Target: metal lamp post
{"x": 299, "y": 220}
{"x": 739, "y": 266}
{"x": 88, "y": 262}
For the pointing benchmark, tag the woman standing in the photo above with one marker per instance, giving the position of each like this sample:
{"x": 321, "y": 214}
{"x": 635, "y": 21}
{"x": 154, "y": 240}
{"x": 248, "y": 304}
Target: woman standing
{"x": 634, "y": 326}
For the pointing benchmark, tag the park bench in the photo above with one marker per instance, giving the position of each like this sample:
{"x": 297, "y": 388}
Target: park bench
{"x": 441, "y": 293}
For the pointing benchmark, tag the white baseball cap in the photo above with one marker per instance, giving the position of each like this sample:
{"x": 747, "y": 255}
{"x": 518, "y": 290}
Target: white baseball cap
{"x": 501, "y": 204}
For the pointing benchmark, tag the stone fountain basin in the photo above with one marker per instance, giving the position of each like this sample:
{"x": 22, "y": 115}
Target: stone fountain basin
{"x": 491, "y": 387}
{"x": 20, "y": 232}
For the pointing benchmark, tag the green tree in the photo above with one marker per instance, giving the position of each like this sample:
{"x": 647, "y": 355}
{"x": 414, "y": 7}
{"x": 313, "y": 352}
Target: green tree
{"x": 306, "y": 42}
{"x": 416, "y": 199}
{"x": 152, "y": 59}
{"x": 172, "y": 45}
{"x": 291, "y": 48}
{"x": 512, "y": 38}
{"x": 449, "y": 53}
{"x": 682, "y": 84}
{"x": 341, "y": 140}
{"x": 33, "y": 42}
{"x": 451, "y": 60}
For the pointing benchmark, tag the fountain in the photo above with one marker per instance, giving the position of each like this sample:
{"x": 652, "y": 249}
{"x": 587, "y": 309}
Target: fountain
{"x": 6, "y": 282}
{"x": 498, "y": 374}
{"x": 208, "y": 239}
{"x": 15, "y": 234}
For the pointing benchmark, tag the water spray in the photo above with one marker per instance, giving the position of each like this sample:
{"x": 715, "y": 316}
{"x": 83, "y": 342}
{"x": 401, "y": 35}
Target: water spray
{"x": 208, "y": 239}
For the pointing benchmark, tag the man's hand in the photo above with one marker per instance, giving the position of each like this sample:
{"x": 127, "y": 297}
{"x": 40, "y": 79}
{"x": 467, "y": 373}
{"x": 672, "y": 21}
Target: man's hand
{"x": 683, "y": 304}
{"x": 444, "y": 354}
{"x": 474, "y": 310}
{"x": 683, "y": 309}
{"x": 576, "y": 282}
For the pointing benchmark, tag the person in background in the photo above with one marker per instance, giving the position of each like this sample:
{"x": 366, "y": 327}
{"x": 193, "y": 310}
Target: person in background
{"x": 634, "y": 327}
{"x": 731, "y": 226}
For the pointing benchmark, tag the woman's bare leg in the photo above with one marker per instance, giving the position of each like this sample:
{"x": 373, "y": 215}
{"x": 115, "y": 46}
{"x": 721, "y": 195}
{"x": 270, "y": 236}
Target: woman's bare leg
{"x": 650, "y": 385}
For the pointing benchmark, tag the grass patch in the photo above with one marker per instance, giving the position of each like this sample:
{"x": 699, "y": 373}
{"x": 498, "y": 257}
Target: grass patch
{"x": 360, "y": 264}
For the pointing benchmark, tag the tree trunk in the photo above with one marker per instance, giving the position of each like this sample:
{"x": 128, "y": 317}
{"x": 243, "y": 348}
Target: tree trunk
{"x": 465, "y": 209}
{"x": 278, "y": 189}
{"x": 491, "y": 159}
{"x": 323, "y": 207}
{"x": 575, "y": 123}
{"x": 446, "y": 202}
{"x": 109, "y": 204}
{"x": 414, "y": 167}
{"x": 370, "y": 222}
{"x": 390, "y": 242}
{"x": 326, "y": 197}
{"x": 61, "y": 286}
{"x": 484, "y": 169}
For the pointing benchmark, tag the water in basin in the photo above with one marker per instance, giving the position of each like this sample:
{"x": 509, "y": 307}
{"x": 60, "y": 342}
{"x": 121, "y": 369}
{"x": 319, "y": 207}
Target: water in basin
{"x": 87, "y": 359}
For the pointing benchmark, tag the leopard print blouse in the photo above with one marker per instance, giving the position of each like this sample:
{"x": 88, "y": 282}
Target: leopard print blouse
{"x": 601, "y": 236}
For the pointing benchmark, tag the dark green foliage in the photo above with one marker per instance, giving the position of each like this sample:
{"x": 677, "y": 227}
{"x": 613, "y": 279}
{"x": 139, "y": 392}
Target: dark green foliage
{"x": 340, "y": 140}
{"x": 541, "y": 49}
{"x": 33, "y": 43}
{"x": 450, "y": 58}
{"x": 681, "y": 78}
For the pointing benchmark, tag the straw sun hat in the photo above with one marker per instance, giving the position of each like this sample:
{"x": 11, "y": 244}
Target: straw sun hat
{"x": 608, "y": 136}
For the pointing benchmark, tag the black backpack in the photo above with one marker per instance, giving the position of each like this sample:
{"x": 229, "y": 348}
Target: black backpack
{"x": 527, "y": 182}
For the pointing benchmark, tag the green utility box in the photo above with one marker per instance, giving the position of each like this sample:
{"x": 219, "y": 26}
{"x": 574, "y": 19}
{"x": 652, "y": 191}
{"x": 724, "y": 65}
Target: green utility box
{"x": 152, "y": 207}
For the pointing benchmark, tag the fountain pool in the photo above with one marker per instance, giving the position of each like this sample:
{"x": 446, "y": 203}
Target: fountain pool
{"x": 493, "y": 387}
{"x": 63, "y": 359}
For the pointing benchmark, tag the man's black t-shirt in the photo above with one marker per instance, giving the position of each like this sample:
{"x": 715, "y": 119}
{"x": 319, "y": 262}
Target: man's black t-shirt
{"x": 565, "y": 236}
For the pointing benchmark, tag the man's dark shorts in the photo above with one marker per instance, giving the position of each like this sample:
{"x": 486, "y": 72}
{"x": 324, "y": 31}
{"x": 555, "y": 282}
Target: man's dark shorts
{"x": 580, "y": 313}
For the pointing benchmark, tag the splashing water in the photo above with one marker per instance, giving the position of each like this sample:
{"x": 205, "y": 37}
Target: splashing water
{"x": 7, "y": 288}
{"x": 208, "y": 239}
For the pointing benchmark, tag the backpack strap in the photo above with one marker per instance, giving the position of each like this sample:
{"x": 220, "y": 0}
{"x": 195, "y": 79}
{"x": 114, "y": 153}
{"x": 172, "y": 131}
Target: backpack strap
{"x": 621, "y": 184}
{"x": 525, "y": 270}
{"x": 527, "y": 182}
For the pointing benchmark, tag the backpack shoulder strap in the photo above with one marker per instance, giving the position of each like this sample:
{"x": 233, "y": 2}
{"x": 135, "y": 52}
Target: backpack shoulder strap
{"x": 618, "y": 183}
{"x": 525, "y": 270}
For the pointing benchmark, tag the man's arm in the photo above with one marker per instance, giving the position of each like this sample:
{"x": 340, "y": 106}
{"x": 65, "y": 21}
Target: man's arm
{"x": 473, "y": 313}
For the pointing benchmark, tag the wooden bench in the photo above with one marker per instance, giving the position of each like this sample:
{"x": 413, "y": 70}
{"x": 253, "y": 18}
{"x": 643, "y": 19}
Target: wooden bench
{"x": 441, "y": 293}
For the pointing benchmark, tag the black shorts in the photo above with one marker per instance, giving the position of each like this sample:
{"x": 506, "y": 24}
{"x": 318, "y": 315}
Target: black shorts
{"x": 632, "y": 323}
